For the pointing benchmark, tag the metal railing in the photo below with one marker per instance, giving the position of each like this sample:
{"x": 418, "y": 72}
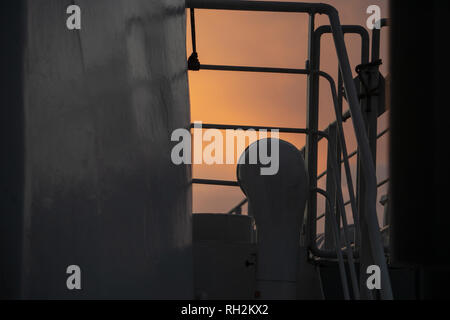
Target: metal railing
{"x": 313, "y": 73}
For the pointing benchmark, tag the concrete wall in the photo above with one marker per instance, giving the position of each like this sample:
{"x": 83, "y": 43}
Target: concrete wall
{"x": 98, "y": 188}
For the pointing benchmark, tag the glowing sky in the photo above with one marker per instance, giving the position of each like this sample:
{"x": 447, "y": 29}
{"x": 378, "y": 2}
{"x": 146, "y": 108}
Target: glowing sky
{"x": 273, "y": 40}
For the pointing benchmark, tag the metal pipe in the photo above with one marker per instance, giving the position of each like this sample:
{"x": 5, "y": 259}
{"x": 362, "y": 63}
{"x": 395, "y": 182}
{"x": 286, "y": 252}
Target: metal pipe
{"x": 376, "y": 34}
{"x": 351, "y": 29}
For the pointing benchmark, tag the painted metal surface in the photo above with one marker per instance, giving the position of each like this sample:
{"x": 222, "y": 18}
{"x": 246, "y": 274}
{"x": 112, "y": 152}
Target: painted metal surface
{"x": 222, "y": 227}
{"x": 100, "y": 190}
{"x": 224, "y": 256}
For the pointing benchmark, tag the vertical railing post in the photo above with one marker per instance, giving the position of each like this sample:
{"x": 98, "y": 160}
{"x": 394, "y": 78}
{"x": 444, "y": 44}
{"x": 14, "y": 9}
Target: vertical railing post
{"x": 338, "y": 152}
{"x": 311, "y": 140}
{"x": 331, "y": 188}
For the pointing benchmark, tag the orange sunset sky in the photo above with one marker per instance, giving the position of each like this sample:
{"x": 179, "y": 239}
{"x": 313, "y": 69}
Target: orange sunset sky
{"x": 272, "y": 40}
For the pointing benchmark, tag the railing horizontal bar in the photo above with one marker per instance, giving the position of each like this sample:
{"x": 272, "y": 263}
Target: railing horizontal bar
{"x": 347, "y": 116}
{"x": 354, "y": 153}
{"x": 351, "y": 155}
{"x": 382, "y": 183}
{"x": 253, "y": 69}
{"x": 382, "y": 133}
{"x": 216, "y": 182}
{"x": 235, "y": 127}
{"x": 323, "y": 174}
{"x": 271, "y": 6}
